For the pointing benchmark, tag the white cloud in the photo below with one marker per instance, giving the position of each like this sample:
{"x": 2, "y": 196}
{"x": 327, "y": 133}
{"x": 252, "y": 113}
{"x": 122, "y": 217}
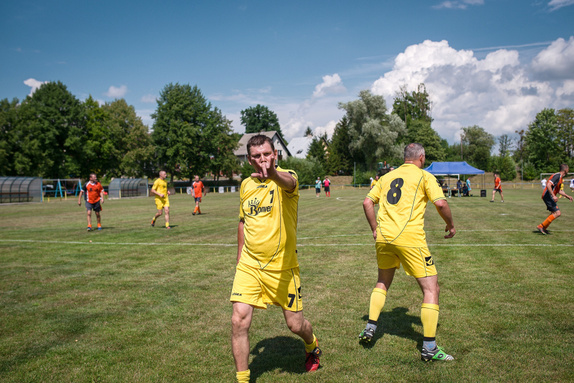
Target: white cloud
{"x": 148, "y": 99}
{"x": 458, "y": 4}
{"x": 330, "y": 84}
{"x": 328, "y": 128}
{"x": 114, "y": 92}
{"x": 495, "y": 93}
{"x": 557, "y": 61}
{"x": 557, "y": 4}
{"x": 34, "y": 84}
{"x": 567, "y": 89}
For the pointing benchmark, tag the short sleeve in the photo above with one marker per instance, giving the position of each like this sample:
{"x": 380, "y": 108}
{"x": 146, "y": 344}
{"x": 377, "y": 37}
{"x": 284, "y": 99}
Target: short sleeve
{"x": 375, "y": 193}
{"x": 433, "y": 189}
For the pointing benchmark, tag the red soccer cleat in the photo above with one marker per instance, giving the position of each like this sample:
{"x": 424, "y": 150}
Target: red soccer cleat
{"x": 312, "y": 359}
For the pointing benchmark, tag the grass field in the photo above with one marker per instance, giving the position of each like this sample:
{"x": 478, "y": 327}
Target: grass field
{"x": 134, "y": 303}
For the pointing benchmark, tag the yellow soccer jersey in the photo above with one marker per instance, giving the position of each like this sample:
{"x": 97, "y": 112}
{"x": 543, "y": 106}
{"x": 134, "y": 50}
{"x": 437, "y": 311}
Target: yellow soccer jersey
{"x": 270, "y": 229}
{"x": 160, "y": 186}
{"x": 402, "y": 196}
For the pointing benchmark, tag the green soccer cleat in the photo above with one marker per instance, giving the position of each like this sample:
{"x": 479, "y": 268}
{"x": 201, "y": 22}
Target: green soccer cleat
{"x": 436, "y": 354}
{"x": 366, "y": 335}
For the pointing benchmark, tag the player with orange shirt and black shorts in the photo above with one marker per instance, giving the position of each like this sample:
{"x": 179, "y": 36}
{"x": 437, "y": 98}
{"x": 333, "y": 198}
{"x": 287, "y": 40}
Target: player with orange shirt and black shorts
{"x": 94, "y": 199}
{"x": 497, "y": 187}
{"x": 198, "y": 189}
{"x": 550, "y": 197}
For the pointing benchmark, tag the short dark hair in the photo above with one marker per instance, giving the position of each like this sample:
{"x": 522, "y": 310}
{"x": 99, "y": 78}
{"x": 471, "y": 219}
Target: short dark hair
{"x": 563, "y": 167}
{"x": 413, "y": 151}
{"x": 258, "y": 140}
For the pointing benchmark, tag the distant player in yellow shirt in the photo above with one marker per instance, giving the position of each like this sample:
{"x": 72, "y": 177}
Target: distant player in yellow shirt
{"x": 398, "y": 230}
{"x": 267, "y": 268}
{"x": 159, "y": 188}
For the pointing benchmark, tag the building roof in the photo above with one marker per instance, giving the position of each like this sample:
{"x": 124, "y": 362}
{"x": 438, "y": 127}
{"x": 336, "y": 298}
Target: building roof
{"x": 299, "y": 146}
{"x": 242, "y": 149}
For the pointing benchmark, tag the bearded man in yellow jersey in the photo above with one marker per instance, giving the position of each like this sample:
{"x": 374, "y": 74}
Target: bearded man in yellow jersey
{"x": 398, "y": 230}
{"x": 159, "y": 188}
{"x": 267, "y": 268}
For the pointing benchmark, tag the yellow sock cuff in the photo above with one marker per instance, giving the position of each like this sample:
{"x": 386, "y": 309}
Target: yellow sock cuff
{"x": 310, "y": 347}
{"x": 430, "y": 306}
{"x": 380, "y": 291}
{"x": 243, "y": 376}
{"x": 167, "y": 224}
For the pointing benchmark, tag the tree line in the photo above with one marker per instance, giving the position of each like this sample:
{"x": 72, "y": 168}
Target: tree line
{"x": 53, "y": 134}
{"x": 369, "y": 134}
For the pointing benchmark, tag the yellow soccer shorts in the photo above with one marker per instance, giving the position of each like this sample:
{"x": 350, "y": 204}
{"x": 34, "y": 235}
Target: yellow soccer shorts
{"x": 259, "y": 288}
{"x": 160, "y": 203}
{"x": 417, "y": 261}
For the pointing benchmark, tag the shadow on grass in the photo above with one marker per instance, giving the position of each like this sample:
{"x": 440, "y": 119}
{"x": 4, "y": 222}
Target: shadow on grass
{"x": 282, "y": 353}
{"x": 396, "y": 322}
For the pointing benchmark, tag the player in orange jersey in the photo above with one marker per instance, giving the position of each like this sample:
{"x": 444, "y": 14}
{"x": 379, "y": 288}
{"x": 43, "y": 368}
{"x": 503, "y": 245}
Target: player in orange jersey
{"x": 198, "y": 189}
{"x": 550, "y": 197}
{"x": 94, "y": 199}
{"x": 497, "y": 187}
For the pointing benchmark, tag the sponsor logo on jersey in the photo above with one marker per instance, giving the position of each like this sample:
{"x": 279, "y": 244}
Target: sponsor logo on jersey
{"x": 255, "y": 209}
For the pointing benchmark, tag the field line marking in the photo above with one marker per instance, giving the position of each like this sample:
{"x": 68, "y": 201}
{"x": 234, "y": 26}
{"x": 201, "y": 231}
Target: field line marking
{"x": 298, "y": 245}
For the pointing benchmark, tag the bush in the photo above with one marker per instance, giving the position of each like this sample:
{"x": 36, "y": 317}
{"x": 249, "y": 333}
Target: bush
{"x": 505, "y": 166}
{"x": 307, "y": 169}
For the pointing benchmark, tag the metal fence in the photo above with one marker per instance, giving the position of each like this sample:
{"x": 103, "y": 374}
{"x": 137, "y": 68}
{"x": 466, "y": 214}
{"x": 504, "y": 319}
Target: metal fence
{"x": 20, "y": 189}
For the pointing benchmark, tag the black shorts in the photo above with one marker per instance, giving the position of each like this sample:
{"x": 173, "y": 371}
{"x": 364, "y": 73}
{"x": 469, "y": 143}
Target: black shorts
{"x": 317, "y": 190}
{"x": 94, "y": 206}
{"x": 327, "y": 188}
{"x": 550, "y": 204}
{"x": 197, "y": 199}
{"x": 497, "y": 190}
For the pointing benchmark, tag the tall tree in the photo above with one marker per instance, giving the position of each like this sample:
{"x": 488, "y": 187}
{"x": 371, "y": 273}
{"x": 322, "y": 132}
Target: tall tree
{"x": 260, "y": 119}
{"x": 504, "y": 145}
{"x": 477, "y": 145}
{"x": 52, "y": 133}
{"x": 565, "y": 122}
{"x": 8, "y": 135}
{"x": 542, "y": 141}
{"x": 340, "y": 158}
{"x": 318, "y": 149}
{"x": 429, "y": 139}
{"x": 185, "y": 124}
{"x": 372, "y": 131}
{"x": 223, "y": 142}
{"x": 132, "y": 140}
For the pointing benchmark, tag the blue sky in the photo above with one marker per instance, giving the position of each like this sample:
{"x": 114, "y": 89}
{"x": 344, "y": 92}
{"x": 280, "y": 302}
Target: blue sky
{"x": 492, "y": 63}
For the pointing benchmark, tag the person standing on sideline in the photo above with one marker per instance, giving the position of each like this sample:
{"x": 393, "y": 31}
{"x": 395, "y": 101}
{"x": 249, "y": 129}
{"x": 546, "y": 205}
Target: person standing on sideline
{"x": 267, "y": 270}
{"x": 572, "y": 185}
{"x": 550, "y": 197}
{"x": 318, "y": 187}
{"x": 374, "y": 181}
{"x": 94, "y": 199}
{"x": 327, "y": 186}
{"x": 198, "y": 190}
{"x": 543, "y": 183}
{"x": 497, "y": 187}
{"x": 398, "y": 230}
{"x": 159, "y": 188}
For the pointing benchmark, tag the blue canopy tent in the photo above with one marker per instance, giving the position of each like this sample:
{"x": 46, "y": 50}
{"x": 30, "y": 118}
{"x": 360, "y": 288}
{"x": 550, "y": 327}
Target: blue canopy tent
{"x": 453, "y": 169}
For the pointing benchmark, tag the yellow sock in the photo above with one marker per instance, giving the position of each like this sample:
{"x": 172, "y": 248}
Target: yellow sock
{"x": 243, "y": 376}
{"x": 378, "y": 298}
{"x": 429, "y": 319}
{"x": 310, "y": 347}
{"x": 167, "y": 224}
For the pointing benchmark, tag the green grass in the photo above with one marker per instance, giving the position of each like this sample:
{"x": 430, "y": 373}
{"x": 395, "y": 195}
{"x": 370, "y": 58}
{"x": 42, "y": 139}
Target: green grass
{"x": 142, "y": 304}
